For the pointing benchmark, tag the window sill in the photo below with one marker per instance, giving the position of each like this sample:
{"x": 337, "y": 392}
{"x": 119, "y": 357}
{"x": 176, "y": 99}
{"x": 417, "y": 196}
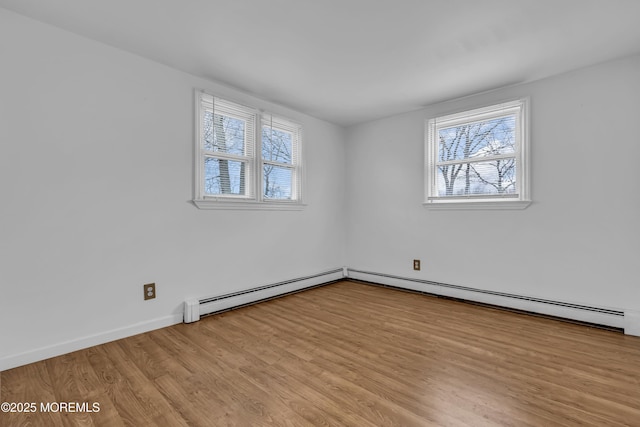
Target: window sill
{"x": 247, "y": 205}
{"x": 477, "y": 204}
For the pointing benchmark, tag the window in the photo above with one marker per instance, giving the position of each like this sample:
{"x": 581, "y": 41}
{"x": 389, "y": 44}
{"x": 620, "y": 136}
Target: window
{"x": 227, "y": 146}
{"x": 245, "y": 159}
{"x": 280, "y": 142}
{"x": 478, "y": 158}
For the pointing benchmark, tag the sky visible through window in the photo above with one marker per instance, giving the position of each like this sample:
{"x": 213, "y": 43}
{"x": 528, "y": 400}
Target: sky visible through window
{"x": 223, "y": 134}
{"x": 477, "y": 158}
{"x": 226, "y": 135}
{"x": 276, "y": 153}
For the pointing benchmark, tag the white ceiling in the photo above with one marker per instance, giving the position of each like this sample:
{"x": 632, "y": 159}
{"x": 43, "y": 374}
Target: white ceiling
{"x": 350, "y": 61}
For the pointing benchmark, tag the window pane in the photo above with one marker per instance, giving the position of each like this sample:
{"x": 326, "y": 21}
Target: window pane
{"x": 276, "y": 145}
{"x": 223, "y": 176}
{"x": 223, "y": 133}
{"x": 494, "y": 177}
{"x": 277, "y": 182}
{"x": 480, "y": 139}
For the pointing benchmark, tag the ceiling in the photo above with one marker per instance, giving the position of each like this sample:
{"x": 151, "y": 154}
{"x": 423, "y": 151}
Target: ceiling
{"x": 351, "y": 61}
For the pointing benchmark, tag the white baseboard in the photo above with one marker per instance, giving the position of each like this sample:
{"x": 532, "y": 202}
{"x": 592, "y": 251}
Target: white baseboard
{"x": 616, "y": 318}
{"x": 196, "y": 308}
{"x": 270, "y": 291}
{"x": 629, "y": 319}
{"x": 42, "y": 353}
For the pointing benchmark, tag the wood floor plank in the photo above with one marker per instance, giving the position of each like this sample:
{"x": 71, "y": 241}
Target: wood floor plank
{"x": 31, "y": 385}
{"x": 376, "y": 363}
{"x": 64, "y": 382}
{"x": 346, "y": 354}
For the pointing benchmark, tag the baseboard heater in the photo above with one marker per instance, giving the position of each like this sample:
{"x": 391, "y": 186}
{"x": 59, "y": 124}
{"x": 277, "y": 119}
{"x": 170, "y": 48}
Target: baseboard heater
{"x": 194, "y": 309}
{"x": 582, "y": 313}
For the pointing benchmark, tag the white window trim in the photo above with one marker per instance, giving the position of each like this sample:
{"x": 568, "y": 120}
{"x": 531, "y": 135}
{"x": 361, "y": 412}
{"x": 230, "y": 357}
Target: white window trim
{"x": 286, "y": 125}
{"x": 523, "y": 198}
{"x": 227, "y": 204}
{"x": 255, "y": 201}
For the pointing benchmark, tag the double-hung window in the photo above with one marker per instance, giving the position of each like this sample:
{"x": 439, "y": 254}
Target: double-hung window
{"x": 478, "y": 158}
{"x": 245, "y": 159}
{"x": 280, "y": 159}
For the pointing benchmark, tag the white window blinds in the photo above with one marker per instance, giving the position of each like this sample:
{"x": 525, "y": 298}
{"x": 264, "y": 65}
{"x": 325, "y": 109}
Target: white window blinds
{"x": 245, "y": 158}
{"x": 280, "y": 159}
{"x": 478, "y": 155}
{"x": 227, "y": 142}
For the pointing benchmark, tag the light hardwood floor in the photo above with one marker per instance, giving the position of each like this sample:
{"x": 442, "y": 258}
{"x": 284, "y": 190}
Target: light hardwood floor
{"x": 346, "y": 354}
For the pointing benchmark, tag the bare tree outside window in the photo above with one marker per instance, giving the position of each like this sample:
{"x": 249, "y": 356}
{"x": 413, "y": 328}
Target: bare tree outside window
{"x": 277, "y": 163}
{"x": 225, "y": 135}
{"x": 246, "y": 158}
{"x": 477, "y": 158}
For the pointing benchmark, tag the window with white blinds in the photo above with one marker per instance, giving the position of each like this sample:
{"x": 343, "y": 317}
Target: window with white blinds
{"x": 280, "y": 159}
{"x": 478, "y": 158}
{"x": 245, "y": 159}
{"x": 227, "y": 145}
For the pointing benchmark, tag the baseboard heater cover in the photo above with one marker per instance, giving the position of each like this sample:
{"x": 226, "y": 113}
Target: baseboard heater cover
{"x": 194, "y": 309}
{"x": 583, "y": 313}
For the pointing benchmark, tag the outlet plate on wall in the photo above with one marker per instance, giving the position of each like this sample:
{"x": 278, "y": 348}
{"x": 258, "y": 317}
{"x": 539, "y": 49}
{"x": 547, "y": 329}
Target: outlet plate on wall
{"x": 149, "y": 291}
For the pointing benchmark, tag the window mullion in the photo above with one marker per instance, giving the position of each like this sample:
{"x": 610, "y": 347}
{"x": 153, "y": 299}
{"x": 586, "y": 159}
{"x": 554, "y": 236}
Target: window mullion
{"x": 225, "y": 156}
{"x": 278, "y": 164}
{"x": 258, "y": 161}
{"x": 477, "y": 159}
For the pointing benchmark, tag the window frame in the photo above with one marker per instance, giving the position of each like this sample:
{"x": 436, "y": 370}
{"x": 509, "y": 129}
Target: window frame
{"x": 519, "y": 108}
{"x": 295, "y": 130}
{"x": 254, "y": 198}
{"x": 237, "y": 112}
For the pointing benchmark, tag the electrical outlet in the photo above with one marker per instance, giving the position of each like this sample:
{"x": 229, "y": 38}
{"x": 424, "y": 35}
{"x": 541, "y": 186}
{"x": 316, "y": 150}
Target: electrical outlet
{"x": 416, "y": 264}
{"x": 149, "y": 291}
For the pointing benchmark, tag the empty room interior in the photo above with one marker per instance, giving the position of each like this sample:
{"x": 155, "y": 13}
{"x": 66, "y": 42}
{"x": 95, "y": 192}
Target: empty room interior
{"x": 287, "y": 212}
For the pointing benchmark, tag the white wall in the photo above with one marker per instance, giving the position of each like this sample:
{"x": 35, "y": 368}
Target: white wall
{"x": 578, "y": 242}
{"x": 96, "y": 156}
